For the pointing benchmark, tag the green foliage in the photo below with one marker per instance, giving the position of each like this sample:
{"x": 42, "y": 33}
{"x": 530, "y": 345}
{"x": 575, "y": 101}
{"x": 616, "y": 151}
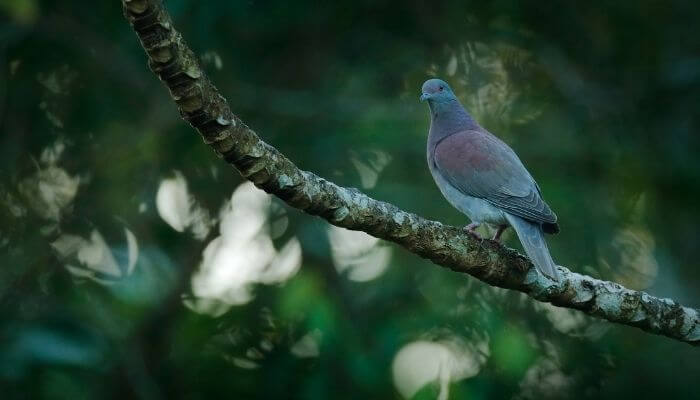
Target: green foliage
{"x": 135, "y": 264}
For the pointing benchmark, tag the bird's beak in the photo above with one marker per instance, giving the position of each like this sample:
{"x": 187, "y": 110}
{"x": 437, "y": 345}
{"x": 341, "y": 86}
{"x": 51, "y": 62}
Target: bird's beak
{"x": 424, "y": 96}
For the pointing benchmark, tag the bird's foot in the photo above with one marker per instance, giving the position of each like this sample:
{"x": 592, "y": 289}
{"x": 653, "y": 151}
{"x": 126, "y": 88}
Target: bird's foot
{"x": 499, "y": 232}
{"x": 471, "y": 229}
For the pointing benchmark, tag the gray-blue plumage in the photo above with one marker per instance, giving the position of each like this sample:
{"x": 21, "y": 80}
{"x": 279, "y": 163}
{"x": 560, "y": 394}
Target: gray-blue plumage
{"x": 483, "y": 178}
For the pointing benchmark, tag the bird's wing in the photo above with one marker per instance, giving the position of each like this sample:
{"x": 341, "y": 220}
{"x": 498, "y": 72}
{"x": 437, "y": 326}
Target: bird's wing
{"x": 481, "y": 165}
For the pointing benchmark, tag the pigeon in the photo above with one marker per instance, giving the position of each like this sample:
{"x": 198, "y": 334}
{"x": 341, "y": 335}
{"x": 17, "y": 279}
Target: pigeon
{"x": 482, "y": 177}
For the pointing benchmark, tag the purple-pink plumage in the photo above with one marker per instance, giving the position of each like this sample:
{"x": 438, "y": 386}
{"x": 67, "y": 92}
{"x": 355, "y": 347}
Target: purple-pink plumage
{"x": 483, "y": 177}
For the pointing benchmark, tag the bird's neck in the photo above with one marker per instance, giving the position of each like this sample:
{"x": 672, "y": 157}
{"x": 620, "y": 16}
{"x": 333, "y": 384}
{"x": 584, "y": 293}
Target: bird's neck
{"x": 449, "y": 117}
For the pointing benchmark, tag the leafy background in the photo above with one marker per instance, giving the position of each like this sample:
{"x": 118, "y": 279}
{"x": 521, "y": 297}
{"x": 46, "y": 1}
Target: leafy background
{"x": 137, "y": 264}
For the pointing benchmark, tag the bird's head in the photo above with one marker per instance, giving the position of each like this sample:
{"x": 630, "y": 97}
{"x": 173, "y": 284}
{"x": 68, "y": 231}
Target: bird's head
{"x": 436, "y": 91}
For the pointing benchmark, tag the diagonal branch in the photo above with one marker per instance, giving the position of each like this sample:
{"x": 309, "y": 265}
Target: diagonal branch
{"x": 200, "y": 104}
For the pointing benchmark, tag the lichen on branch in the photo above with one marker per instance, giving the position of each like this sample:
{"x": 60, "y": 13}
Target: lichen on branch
{"x": 200, "y": 104}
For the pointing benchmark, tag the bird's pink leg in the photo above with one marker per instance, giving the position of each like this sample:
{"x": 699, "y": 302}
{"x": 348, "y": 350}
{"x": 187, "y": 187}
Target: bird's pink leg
{"x": 471, "y": 228}
{"x": 499, "y": 232}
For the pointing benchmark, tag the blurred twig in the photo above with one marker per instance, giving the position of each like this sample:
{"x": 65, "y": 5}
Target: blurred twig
{"x": 205, "y": 109}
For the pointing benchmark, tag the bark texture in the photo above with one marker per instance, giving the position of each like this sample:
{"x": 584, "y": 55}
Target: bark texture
{"x": 200, "y": 104}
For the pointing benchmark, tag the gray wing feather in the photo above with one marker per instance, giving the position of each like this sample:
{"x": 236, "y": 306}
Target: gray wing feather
{"x": 481, "y": 165}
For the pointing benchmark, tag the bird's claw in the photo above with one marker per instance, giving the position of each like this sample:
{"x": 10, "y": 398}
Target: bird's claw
{"x": 471, "y": 229}
{"x": 497, "y": 237}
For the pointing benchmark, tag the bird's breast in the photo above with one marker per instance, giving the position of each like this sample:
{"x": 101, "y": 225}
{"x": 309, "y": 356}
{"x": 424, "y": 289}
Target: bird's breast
{"x": 477, "y": 209}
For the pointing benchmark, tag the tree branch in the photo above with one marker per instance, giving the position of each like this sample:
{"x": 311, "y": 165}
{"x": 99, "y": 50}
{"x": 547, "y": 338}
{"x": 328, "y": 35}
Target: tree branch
{"x": 200, "y": 104}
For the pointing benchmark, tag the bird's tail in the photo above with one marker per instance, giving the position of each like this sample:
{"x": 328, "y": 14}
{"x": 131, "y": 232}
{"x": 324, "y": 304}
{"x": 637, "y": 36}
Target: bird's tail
{"x": 532, "y": 239}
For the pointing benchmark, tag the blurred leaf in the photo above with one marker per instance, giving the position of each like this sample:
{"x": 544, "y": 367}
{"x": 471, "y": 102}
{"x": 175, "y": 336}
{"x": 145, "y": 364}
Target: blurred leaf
{"x": 22, "y": 11}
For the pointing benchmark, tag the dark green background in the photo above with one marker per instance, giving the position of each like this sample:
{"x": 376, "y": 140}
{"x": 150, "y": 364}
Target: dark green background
{"x": 599, "y": 99}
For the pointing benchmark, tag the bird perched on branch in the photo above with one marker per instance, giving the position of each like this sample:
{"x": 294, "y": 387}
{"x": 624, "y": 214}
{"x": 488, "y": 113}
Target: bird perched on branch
{"x": 483, "y": 178}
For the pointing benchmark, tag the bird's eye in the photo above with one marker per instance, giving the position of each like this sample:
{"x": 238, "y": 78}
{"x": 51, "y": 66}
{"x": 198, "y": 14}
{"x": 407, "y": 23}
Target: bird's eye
{"x": 441, "y": 88}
